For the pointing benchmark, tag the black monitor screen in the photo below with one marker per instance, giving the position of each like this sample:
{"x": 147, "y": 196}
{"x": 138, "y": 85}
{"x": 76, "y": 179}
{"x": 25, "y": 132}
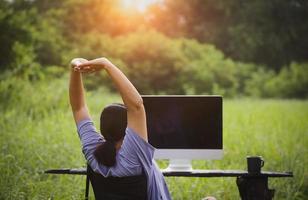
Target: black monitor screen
{"x": 184, "y": 122}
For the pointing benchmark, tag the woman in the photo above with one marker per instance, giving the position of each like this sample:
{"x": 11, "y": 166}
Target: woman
{"x": 123, "y": 150}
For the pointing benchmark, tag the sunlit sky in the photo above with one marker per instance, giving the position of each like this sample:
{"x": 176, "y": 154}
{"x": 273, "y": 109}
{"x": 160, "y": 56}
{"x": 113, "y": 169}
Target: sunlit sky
{"x": 139, "y": 5}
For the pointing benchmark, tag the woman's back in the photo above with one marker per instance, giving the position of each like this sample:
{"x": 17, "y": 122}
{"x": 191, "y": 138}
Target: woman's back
{"x": 133, "y": 158}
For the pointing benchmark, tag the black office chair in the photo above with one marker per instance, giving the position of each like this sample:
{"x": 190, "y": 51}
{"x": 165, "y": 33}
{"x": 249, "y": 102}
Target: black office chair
{"x": 116, "y": 188}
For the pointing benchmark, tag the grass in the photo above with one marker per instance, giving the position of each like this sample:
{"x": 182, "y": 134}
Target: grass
{"x": 38, "y": 133}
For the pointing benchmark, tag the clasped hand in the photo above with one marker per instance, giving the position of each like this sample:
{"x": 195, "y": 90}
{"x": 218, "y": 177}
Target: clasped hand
{"x": 89, "y": 66}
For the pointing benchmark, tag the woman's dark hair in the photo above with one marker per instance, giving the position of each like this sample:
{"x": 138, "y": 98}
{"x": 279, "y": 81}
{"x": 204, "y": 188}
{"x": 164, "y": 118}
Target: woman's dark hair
{"x": 113, "y": 123}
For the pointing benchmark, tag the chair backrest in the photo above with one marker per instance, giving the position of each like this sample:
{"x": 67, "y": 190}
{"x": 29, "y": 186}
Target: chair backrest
{"x": 118, "y": 188}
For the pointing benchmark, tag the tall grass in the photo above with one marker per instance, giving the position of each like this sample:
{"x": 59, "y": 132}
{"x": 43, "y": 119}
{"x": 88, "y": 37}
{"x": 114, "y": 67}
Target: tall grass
{"x": 38, "y": 133}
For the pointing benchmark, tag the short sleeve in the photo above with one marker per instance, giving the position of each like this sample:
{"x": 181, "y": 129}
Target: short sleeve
{"x": 90, "y": 138}
{"x": 137, "y": 149}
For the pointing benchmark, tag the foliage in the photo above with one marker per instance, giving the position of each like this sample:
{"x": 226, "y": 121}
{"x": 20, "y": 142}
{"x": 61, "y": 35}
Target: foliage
{"x": 28, "y": 37}
{"x": 291, "y": 82}
{"x": 153, "y": 62}
{"x": 255, "y": 85}
{"x": 157, "y": 64}
{"x": 38, "y": 34}
{"x": 210, "y": 72}
{"x": 270, "y": 33}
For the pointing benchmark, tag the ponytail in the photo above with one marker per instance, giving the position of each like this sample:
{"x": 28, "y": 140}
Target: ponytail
{"x": 113, "y": 125}
{"x": 105, "y": 153}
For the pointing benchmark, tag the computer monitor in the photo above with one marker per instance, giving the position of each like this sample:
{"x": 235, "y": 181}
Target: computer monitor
{"x": 182, "y": 128}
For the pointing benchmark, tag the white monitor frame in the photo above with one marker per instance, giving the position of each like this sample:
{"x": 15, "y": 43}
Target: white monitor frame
{"x": 180, "y": 159}
{"x": 191, "y": 154}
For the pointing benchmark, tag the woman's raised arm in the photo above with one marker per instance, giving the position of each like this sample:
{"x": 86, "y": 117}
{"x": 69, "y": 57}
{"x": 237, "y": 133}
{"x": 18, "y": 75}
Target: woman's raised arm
{"x": 76, "y": 92}
{"x": 136, "y": 117}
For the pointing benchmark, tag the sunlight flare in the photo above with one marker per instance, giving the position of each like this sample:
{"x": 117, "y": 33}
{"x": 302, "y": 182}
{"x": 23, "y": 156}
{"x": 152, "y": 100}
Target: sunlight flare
{"x": 139, "y": 5}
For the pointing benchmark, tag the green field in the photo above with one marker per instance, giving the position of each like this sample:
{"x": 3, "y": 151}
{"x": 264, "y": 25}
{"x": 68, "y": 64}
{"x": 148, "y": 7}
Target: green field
{"x": 38, "y": 132}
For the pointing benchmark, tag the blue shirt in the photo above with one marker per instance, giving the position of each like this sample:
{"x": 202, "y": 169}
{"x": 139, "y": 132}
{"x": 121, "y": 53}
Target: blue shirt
{"x": 134, "y": 156}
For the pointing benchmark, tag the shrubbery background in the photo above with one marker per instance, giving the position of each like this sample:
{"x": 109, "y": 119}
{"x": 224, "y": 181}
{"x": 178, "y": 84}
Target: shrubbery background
{"x": 203, "y": 48}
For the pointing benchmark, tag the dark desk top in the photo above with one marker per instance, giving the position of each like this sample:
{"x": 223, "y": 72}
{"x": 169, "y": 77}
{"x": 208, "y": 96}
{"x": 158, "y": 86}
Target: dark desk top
{"x": 193, "y": 173}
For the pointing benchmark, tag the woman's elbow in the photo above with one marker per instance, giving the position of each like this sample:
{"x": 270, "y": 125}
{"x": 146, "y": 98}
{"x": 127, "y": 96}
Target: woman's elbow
{"x": 137, "y": 106}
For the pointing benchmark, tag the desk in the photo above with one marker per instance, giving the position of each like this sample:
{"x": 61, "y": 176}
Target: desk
{"x": 250, "y": 186}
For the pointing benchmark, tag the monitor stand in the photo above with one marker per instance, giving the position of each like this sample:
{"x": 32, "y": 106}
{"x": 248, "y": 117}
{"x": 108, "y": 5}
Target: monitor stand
{"x": 182, "y": 165}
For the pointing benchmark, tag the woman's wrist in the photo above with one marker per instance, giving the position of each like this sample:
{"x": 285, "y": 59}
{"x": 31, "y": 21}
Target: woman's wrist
{"x": 106, "y": 64}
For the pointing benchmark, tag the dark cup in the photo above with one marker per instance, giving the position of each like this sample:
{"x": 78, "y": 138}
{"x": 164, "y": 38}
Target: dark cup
{"x": 254, "y": 164}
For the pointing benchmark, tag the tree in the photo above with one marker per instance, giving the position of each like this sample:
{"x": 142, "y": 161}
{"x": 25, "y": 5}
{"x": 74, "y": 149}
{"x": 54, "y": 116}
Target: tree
{"x": 271, "y": 33}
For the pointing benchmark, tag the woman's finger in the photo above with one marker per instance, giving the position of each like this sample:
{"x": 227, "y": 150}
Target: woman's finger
{"x": 84, "y": 68}
{"x": 87, "y": 69}
{"x": 88, "y": 63}
{"x": 81, "y": 69}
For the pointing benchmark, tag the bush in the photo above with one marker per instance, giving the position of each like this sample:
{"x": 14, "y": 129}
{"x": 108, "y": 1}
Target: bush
{"x": 210, "y": 72}
{"x": 34, "y": 104}
{"x": 157, "y": 64}
{"x": 152, "y": 61}
{"x": 255, "y": 85}
{"x": 290, "y": 82}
